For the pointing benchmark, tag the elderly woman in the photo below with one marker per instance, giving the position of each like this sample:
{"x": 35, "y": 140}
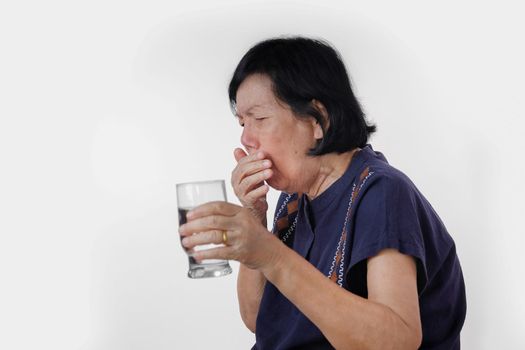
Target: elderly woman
{"x": 357, "y": 258}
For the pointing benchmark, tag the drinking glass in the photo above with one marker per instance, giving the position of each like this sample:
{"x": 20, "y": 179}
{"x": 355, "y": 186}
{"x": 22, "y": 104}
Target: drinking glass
{"x": 189, "y": 196}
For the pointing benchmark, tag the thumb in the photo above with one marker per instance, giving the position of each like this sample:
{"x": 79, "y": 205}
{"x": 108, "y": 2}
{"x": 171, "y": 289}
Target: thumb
{"x": 238, "y": 153}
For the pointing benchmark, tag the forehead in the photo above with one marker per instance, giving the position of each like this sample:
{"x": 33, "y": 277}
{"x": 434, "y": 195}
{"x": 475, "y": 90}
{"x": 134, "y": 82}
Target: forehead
{"x": 255, "y": 92}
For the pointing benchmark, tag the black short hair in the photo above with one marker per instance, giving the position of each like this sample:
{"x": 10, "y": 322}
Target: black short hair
{"x": 301, "y": 70}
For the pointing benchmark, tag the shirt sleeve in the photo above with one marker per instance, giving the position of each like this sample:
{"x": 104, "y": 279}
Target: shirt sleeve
{"x": 386, "y": 215}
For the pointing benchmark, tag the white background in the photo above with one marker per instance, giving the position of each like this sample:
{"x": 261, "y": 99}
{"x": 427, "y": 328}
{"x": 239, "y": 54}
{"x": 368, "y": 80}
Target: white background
{"x": 105, "y": 105}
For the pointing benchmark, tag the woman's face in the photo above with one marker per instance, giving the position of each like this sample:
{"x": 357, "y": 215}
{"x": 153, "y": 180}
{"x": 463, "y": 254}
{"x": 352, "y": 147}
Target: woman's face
{"x": 270, "y": 126}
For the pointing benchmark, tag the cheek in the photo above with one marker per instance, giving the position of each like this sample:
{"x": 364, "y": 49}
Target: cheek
{"x": 286, "y": 151}
{"x": 283, "y": 163}
{"x": 272, "y": 145}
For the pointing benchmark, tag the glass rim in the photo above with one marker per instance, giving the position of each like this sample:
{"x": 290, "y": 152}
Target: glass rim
{"x": 199, "y": 182}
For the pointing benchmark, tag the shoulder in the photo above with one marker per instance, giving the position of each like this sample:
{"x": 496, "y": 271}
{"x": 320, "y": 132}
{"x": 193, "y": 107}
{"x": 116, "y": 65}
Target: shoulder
{"x": 388, "y": 210}
{"x": 381, "y": 181}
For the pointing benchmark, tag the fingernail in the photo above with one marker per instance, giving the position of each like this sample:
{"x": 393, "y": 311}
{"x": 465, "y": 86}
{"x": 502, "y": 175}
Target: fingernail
{"x": 267, "y": 173}
{"x": 266, "y": 163}
{"x": 184, "y": 241}
{"x": 181, "y": 228}
{"x": 189, "y": 214}
{"x": 260, "y": 155}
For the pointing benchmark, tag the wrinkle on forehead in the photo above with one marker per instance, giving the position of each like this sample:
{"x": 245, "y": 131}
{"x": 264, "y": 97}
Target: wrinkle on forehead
{"x": 256, "y": 92}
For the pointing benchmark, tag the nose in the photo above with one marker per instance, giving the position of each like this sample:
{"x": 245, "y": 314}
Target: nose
{"x": 249, "y": 139}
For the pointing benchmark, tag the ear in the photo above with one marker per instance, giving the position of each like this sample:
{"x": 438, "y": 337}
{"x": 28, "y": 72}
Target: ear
{"x": 318, "y": 128}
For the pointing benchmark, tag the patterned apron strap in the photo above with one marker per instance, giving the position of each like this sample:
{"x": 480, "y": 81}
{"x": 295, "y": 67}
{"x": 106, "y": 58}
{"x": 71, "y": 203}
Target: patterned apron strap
{"x": 286, "y": 217}
{"x": 337, "y": 269}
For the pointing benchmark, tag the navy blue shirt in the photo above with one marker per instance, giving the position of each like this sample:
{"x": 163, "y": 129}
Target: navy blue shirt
{"x": 372, "y": 207}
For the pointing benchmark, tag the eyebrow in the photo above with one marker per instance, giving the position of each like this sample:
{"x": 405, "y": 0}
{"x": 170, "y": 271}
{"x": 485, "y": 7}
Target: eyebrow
{"x": 249, "y": 110}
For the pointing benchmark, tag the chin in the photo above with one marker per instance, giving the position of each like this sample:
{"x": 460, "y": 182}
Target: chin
{"x": 273, "y": 184}
{"x": 277, "y": 184}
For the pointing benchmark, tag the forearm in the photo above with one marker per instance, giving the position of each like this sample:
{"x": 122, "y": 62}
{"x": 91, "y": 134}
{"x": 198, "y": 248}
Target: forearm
{"x": 345, "y": 319}
{"x": 250, "y": 287}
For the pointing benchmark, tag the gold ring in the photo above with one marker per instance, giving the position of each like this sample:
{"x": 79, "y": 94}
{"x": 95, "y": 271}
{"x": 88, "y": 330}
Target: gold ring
{"x": 224, "y": 237}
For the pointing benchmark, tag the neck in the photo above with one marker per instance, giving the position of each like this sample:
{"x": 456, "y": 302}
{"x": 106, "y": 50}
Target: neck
{"x": 331, "y": 168}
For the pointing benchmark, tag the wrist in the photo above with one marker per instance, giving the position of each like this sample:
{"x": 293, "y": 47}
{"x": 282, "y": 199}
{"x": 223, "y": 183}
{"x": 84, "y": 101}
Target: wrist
{"x": 261, "y": 216}
{"x": 276, "y": 253}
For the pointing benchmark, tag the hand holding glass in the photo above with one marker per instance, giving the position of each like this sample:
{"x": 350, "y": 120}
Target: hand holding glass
{"x": 189, "y": 196}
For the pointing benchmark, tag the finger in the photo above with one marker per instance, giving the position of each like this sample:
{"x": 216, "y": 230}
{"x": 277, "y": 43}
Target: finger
{"x": 254, "y": 181}
{"x": 241, "y": 157}
{"x": 224, "y": 253}
{"x": 188, "y": 251}
{"x": 205, "y": 223}
{"x": 239, "y": 153}
{"x": 254, "y": 167}
{"x": 201, "y": 238}
{"x": 259, "y": 192}
{"x": 258, "y": 155}
{"x": 240, "y": 182}
{"x": 247, "y": 165}
{"x": 213, "y": 208}
{"x": 243, "y": 170}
